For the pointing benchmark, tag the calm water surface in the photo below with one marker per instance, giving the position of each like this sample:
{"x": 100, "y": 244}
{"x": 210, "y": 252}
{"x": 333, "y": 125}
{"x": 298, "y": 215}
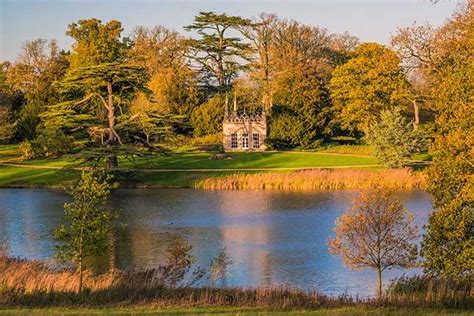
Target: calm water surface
{"x": 273, "y": 238}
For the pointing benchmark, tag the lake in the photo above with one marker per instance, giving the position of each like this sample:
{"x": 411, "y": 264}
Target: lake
{"x": 273, "y": 238}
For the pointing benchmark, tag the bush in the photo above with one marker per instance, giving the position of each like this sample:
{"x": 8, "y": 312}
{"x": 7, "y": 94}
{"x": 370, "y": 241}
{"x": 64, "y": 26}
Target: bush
{"x": 426, "y": 290}
{"x": 47, "y": 145}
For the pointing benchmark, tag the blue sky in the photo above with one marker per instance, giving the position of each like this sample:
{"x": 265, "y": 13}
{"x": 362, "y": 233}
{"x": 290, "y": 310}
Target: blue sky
{"x": 370, "y": 20}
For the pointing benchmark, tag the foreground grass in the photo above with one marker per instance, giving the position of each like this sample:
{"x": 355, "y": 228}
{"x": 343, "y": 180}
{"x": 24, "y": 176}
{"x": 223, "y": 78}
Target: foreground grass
{"x": 142, "y": 310}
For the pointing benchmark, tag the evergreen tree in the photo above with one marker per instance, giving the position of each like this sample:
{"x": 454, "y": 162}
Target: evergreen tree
{"x": 218, "y": 55}
{"x": 394, "y": 138}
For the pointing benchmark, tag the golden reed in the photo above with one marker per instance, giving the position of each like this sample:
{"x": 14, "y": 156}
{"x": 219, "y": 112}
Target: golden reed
{"x": 318, "y": 180}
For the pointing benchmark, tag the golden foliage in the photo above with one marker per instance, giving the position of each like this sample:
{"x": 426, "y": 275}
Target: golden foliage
{"x": 377, "y": 232}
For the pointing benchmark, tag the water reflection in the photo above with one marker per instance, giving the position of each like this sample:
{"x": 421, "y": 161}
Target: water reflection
{"x": 273, "y": 237}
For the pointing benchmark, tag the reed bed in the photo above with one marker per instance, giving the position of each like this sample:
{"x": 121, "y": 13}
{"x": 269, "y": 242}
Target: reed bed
{"x": 30, "y": 284}
{"x": 33, "y": 283}
{"x": 318, "y": 180}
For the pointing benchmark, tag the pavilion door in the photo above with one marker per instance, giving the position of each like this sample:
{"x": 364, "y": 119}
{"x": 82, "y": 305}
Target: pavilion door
{"x": 245, "y": 141}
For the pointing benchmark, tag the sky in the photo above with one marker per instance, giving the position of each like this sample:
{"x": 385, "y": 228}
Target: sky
{"x": 370, "y": 20}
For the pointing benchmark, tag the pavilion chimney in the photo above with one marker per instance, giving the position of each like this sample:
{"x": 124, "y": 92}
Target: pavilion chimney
{"x": 226, "y": 109}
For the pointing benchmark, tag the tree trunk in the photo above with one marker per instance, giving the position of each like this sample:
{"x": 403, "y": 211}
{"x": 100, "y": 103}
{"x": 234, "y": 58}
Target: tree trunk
{"x": 81, "y": 247}
{"x": 111, "y": 160}
{"x": 112, "y": 261}
{"x": 416, "y": 111}
{"x": 80, "y": 276}
{"x": 110, "y": 113}
{"x": 379, "y": 283}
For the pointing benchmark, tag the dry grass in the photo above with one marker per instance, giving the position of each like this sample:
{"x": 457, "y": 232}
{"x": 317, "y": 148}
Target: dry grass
{"x": 318, "y": 180}
{"x": 35, "y": 284}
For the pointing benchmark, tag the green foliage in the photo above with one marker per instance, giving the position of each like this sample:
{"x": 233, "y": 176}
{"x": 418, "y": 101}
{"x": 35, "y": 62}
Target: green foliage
{"x": 300, "y": 115}
{"x": 394, "y": 138}
{"x": 207, "y": 118}
{"x": 47, "y": 145}
{"x": 369, "y": 82}
{"x": 89, "y": 224}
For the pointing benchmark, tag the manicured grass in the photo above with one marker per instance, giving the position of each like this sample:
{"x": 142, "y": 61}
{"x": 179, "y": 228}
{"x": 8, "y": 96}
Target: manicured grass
{"x": 234, "y": 311}
{"x": 349, "y": 149}
{"x": 29, "y": 177}
{"x": 243, "y": 160}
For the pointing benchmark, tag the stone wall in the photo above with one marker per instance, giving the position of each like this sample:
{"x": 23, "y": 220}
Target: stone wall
{"x": 244, "y": 125}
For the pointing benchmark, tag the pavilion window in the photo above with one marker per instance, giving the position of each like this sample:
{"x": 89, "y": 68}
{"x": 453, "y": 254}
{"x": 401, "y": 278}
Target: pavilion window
{"x": 256, "y": 141}
{"x": 233, "y": 141}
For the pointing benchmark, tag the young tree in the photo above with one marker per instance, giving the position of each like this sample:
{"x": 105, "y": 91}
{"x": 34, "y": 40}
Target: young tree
{"x": 88, "y": 222}
{"x": 368, "y": 83}
{"x": 218, "y": 55}
{"x": 377, "y": 232}
{"x": 219, "y": 266}
{"x": 394, "y": 138}
{"x": 179, "y": 261}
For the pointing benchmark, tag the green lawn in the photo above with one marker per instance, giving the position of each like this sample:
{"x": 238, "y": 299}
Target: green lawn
{"x": 233, "y": 311}
{"x": 243, "y": 160}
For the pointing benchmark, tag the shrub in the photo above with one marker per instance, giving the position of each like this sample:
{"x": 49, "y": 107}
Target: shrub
{"x": 207, "y": 118}
{"x": 424, "y": 290}
{"x": 47, "y": 145}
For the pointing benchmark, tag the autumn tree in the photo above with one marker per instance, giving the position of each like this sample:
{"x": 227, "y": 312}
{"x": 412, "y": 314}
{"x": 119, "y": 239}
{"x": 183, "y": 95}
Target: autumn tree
{"x": 11, "y": 102}
{"x": 415, "y": 46}
{"x": 96, "y": 42}
{"x": 218, "y": 54}
{"x": 38, "y": 66}
{"x": 261, "y": 33}
{"x": 162, "y": 52}
{"x": 394, "y": 138}
{"x": 377, "y": 232}
{"x": 89, "y": 224}
{"x": 448, "y": 244}
{"x": 368, "y": 83}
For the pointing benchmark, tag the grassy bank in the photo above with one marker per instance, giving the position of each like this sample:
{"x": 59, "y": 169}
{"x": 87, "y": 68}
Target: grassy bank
{"x": 189, "y": 167}
{"x": 33, "y": 284}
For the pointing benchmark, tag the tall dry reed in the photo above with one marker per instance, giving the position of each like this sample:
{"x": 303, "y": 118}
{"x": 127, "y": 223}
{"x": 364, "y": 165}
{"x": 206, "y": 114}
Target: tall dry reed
{"x": 318, "y": 180}
{"x": 35, "y": 284}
